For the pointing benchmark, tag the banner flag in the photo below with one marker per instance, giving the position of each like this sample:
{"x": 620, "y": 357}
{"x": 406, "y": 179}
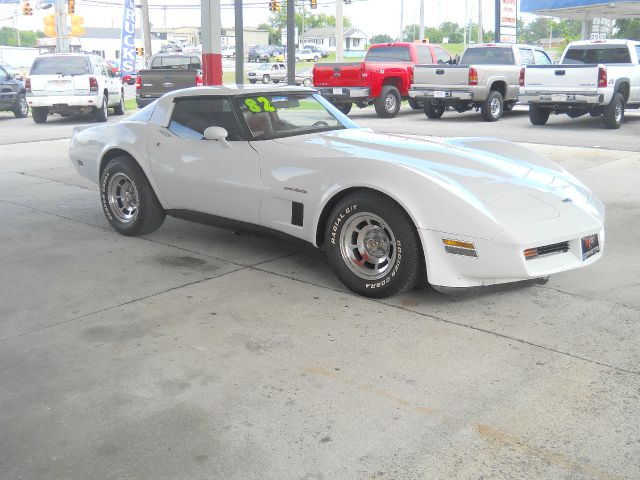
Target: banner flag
{"x": 128, "y": 44}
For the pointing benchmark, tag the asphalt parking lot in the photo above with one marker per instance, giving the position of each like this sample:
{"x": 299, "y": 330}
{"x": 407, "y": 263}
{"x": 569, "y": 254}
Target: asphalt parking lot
{"x": 200, "y": 353}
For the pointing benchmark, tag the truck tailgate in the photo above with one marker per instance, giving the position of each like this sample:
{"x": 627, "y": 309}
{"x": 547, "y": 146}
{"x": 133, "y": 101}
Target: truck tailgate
{"x": 561, "y": 78}
{"x": 156, "y": 83}
{"x": 441, "y": 75}
{"x": 338, "y": 74}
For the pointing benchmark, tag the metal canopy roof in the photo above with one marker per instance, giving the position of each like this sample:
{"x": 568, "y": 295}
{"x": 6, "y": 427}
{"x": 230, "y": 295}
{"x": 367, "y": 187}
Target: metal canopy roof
{"x": 582, "y": 9}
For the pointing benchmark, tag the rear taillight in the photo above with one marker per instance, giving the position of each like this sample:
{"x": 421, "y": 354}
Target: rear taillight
{"x": 602, "y": 77}
{"x": 27, "y": 85}
{"x": 473, "y": 76}
{"x": 93, "y": 84}
{"x": 521, "y": 80}
{"x": 363, "y": 70}
{"x": 138, "y": 82}
{"x": 199, "y": 81}
{"x": 410, "y": 75}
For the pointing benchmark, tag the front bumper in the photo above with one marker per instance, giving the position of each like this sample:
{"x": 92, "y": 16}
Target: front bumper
{"x": 344, "y": 94}
{"x": 64, "y": 101}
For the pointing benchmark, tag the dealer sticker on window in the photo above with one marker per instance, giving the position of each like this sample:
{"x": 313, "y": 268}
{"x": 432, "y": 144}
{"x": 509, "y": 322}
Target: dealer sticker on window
{"x": 590, "y": 246}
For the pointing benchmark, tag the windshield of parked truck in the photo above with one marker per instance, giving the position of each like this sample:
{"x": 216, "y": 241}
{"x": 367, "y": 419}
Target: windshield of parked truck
{"x": 388, "y": 53}
{"x": 60, "y": 65}
{"x": 593, "y": 54}
{"x": 488, "y": 56}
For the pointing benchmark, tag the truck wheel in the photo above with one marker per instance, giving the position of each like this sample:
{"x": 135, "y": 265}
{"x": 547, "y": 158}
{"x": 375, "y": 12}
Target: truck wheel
{"x": 252, "y": 81}
{"x": 416, "y": 103}
{"x": 40, "y": 114}
{"x": 613, "y": 115}
{"x": 265, "y": 79}
{"x": 119, "y": 109}
{"x": 315, "y": 59}
{"x": 372, "y": 245}
{"x": 537, "y": 115}
{"x": 22, "y": 107}
{"x": 101, "y": 112}
{"x": 128, "y": 201}
{"x": 344, "y": 107}
{"x": 508, "y": 106}
{"x": 492, "y": 107}
{"x": 387, "y": 105}
{"x": 433, "y": 110}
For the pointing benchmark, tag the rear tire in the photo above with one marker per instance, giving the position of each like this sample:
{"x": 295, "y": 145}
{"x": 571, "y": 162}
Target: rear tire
{"x": 434, "y": 111}
{"x": 22, "y": 107}
{"x": 416, "y": 104}
{"x": 119, "y": 109}
{"x": 344, "y": 107}
{"x": 265, "y": 79}
{"x": 537, "y": 115}
{"x": 492, "y": 107}
{"x": 387, "y": 105}
{"x": 40, "y": 114}
{"x": 307, "y": 82}
{"x": 613, "y": 115}
{"x": 101, "y": 113}
{"x": 372, "y": 245}
{"x": 128, "y": 201}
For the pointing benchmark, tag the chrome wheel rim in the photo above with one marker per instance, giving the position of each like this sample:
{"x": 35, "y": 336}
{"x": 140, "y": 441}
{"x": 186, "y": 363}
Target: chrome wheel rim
{"x": 618, "y": 112}
{"x": 123, "y": 198}
{"x": 368, "y": 246}
{"x": 24, "y": 106}
{"x": 495, "y": 107}
{"x": 390, "y": 102}
{"x": 307, "y": 82}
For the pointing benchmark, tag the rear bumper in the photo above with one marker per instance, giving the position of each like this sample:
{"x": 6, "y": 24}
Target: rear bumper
{"x": 344, "y": 94}
{"x": 442, "y": 95}
{"x": 64, "y": 101}
{"x": 144, "y": 101}
{"x": 565, "y": 98}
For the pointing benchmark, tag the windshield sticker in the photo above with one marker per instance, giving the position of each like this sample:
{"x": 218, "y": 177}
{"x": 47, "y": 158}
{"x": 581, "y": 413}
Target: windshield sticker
{"x": 260, "y": 104}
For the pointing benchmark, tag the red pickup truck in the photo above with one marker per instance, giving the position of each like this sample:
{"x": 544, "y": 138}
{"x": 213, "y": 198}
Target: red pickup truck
{"x": 382, "y": 79}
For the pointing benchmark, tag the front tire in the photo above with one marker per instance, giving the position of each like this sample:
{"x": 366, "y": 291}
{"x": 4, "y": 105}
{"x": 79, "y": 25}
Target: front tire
{"x": 372, "y": 245}
{"x": 22, "y": 107}
{"x": 492, "y": 107}
{"x": 538, "y": 116}
{"x": 40, "y": 114}
{"x": 416, "y": 104}
{"x": 128, "y": 201}
{"x": 344, "y": 107}
{"x": 102, "y": 113}
{"x": 434, "y": 111}
{"x": 613, "y": 115}
{"x": 265, "y": 79}
{"x": 307, "y": 82}
{"x": 387, "y": 105}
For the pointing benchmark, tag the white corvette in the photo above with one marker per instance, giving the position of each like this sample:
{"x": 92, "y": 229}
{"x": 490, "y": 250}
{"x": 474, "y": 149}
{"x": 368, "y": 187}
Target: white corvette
{"x": 386, "y": 209}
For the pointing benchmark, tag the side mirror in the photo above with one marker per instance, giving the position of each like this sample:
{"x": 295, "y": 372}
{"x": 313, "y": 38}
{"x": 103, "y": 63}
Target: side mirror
{"x": 218, "y": 134}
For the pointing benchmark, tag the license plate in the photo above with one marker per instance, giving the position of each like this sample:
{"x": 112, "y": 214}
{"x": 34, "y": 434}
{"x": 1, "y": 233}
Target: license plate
{"x": 337, "y": 91}
{"x": 439, "y": 94}
{"x": 590, "y": 246}
{"x": 559, "y": 98}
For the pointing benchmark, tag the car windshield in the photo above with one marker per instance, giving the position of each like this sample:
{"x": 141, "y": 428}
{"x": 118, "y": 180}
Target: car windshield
{"x": 281, "y": 115}
{"x": 264, "y": 66}
{"x": 488, "y": 56}
{"x": 59, "y": 65}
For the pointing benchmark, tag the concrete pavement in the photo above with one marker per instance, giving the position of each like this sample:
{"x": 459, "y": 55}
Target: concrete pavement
{"x": 199, "y": 353}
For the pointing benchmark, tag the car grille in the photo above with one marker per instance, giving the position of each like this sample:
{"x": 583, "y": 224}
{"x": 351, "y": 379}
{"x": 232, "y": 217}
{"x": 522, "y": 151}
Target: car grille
{"x": 532, "y": 253}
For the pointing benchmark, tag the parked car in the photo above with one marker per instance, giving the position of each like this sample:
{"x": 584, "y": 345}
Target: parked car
{"x": 486, "y": 79}
{"x": 600, "y": 78}
{"x": 387, "y": 210}
{"x": 167, "y": 72}
{"x": 114, "y": 65}
{"x": 315, "y": 49}
{"x": 258, "y": 54}
{"x": 14, "y": 72}
{"x": 268, "y": 72}
{"x": 307, "y": 55}
{"x": 304, "y": 77}
{"x": 12, "y": 95}
{"x": 229, "y": 52}
{"x": 382, "y": 79}
{"x": 130, "y": 78}
{"x": 70, "y": 84}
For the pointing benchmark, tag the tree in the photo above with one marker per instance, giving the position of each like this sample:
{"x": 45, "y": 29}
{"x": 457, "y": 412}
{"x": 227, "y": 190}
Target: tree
{"x": 381, "y": 38}
{"x": 628, "y": 28}
{"x": 451, "y": 30}
{"x": 28, "y": 38}
{"x": 411, "y": 32}
{"x": 278, "y": 21}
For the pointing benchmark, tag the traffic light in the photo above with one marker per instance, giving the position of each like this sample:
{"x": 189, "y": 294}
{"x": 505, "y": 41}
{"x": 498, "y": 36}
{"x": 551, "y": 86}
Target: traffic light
{"x": 77, "y": 26}
{"x": 140, "y": 51}
{"x": 314, "y": 3}
{"x": 26, "y": 9}
{"x": 50, "y": 26}
{"x": 274, "y": 5}
{"x": 71, "y": 7}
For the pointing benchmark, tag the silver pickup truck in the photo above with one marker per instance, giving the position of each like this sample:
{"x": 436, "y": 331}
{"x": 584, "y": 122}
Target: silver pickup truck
{"x": 600, "y": 77}
{"x": 486, "y": 79}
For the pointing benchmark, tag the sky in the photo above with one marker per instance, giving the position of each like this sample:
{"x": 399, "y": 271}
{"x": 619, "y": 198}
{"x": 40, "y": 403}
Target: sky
{"x": 371, "y": 16}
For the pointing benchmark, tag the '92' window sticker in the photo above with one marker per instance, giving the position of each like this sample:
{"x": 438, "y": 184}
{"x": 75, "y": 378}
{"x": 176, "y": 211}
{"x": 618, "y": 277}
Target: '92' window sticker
{"x": 261, "y": 104}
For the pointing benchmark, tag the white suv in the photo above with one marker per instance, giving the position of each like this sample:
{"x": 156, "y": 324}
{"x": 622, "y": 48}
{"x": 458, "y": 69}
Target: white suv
{"x": 73, "y": 83}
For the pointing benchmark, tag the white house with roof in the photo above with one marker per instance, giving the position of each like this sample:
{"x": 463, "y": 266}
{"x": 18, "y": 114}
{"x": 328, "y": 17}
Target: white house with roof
{"x": 355, "y": 40}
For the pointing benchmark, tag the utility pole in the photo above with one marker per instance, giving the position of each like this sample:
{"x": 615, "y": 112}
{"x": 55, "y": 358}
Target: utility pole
{"x": 15, "y": 17}
{"x": 466, "y": 24}
{"x": 339, "y": 31}
{"x": 239, "y": 34}
{"x": 421, "y": 34}
{"x": 480, "y": 32}
{"x": 291, "y": 42}
{"x": 401, "y": 19}
{"x": 146, "y": 30}
{"x": 62, "y": 30}
{"x": 211, "y": 23}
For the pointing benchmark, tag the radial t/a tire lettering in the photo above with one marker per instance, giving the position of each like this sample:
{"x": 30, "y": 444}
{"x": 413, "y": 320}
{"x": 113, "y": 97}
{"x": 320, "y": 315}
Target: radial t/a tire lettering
{"x": 372, "y": 245}
{"x": 127, "y": 199}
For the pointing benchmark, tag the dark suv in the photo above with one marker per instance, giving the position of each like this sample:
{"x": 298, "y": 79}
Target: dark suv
{"x": 12, "y": 95}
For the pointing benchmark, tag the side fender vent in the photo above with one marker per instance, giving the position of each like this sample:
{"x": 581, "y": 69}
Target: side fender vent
{"x": 297, "y": 213}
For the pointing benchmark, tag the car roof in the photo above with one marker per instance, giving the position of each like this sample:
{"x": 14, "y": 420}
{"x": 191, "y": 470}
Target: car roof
{"x": 236, "y": 90}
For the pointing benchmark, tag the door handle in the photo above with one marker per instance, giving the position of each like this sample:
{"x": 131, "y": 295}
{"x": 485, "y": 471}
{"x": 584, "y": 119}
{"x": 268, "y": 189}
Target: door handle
{"x": 440, "y": 72}
{"x": 166, "y": 134}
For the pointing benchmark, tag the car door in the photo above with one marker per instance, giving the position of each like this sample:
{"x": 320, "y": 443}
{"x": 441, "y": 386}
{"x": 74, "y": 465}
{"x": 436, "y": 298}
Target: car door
{"x": 8, "y": 90}
{"x": 208, "y": 176}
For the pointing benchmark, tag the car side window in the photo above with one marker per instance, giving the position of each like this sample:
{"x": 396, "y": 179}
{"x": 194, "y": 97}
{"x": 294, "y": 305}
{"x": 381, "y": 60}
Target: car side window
{"x": 541, "y": 58}
{"x": 442, "y": 56}
{"x": 526, "y": 56}
{"x": 193, "y": 115}
{"x": 424, "y": 54}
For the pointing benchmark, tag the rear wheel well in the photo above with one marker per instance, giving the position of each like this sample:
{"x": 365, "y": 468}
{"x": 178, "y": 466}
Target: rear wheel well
{"x": 394, "y": 81}
{"x": 106, "y": 93}
{"x": 499, "y": 86}
{"x": 110, "y": 155}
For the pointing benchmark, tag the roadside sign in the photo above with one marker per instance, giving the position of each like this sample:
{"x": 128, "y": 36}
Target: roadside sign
{"x": 507, "y": 21}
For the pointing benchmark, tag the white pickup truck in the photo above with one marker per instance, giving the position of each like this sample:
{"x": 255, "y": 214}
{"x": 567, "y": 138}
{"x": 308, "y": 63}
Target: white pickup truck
{"x": 599, "y": 77}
